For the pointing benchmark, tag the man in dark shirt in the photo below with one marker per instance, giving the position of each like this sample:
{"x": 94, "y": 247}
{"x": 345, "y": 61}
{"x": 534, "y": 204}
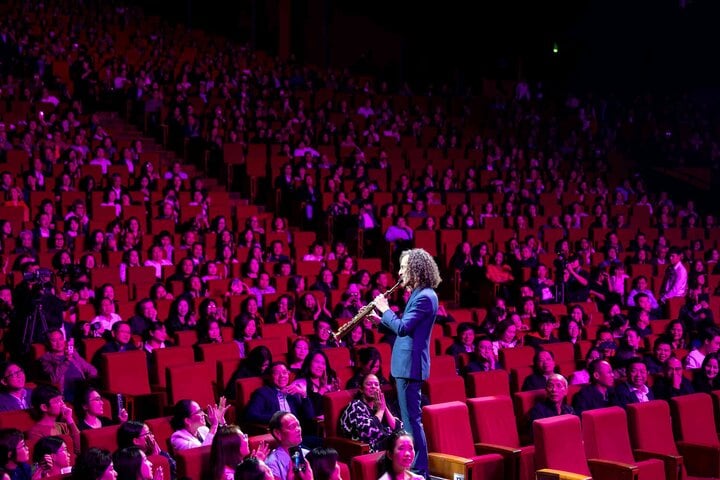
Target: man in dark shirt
{"x": 595, "y": 395}
{"x": 635, "y": 389}
{"x": 14, "y": 395}
{"x": 574, "y": 281}
{"x": 121, "y": 342}
{"x": 145, "y": 315}
{"x": 278, "y": 395}
{"x": 662, "y": 350}
{"x": 673, "y": 383}
{"x": 554, "y": 403}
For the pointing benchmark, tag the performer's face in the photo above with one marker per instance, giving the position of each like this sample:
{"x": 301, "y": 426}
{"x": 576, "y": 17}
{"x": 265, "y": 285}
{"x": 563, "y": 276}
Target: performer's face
{"x": 403, "y": 270}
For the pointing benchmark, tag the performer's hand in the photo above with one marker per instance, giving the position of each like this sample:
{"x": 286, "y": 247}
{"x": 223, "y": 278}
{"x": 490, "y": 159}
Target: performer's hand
{"x": 374, "y": 318}
{"x": 381, "y": 303}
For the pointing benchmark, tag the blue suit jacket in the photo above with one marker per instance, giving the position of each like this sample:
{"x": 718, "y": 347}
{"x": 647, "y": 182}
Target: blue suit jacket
{"x": 411, "y": 351}
{"x": 264, "y": 403}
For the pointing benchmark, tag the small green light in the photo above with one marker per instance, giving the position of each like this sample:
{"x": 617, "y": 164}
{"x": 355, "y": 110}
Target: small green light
{"x": 555, "y": 48}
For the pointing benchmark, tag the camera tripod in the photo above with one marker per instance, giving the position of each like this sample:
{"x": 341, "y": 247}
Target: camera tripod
{"x": 35, "y": 326}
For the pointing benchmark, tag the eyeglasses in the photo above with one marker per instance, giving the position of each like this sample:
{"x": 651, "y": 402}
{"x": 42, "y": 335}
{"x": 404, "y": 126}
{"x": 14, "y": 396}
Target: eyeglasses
{"x": 16, "y": 373}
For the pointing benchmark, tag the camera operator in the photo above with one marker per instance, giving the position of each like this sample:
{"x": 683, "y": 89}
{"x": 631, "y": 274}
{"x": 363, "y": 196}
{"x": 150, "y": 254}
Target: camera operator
{"x": 573, "y": 281}
{"x": 38, "y": 308}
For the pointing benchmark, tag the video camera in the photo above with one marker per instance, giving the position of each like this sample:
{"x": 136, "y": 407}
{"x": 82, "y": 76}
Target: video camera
{"x": 39, "y": 275}
{"x": 40, "y": 280}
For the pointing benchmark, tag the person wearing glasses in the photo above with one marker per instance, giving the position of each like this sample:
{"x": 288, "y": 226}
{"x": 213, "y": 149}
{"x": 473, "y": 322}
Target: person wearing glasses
{"x": 14, "y": 395}
{"x": 190, "y": 424}
{"x": 322, "y": 338}
{"x": 90, "y": 410}
{"x": 138, "y": 434}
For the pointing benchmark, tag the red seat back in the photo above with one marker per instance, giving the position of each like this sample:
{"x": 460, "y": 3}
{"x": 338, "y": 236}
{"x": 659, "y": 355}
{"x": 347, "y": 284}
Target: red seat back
{"x": 105, "y": 437}
{"x": 559, "y": 444}
{"x": 333, "y": 405}
{"x": 493, "y": 421}
{"x": 692, "y": 418}
{"x": 194, "y": 463}
{"x": 650, "y": 427}
{"x": 606, "y": 434}
{"x": 456, "y": 440}
{"x": 482, "y": 384}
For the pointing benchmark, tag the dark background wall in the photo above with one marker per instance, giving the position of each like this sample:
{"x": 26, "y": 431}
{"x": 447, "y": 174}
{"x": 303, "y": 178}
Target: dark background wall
{"x": 603, "y": 44}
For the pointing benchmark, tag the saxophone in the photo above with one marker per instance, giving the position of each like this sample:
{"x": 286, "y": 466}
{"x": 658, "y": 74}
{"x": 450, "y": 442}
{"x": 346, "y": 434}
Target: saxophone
{"x": 362, "y": 313}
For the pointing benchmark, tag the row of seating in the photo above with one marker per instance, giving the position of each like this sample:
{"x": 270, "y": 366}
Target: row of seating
{"x": 654, "y": 440}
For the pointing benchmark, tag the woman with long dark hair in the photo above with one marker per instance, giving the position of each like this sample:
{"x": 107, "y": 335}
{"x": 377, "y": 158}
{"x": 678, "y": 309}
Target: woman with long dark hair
{"x": 131, "y": 463}
{"x": 316, "y": 378}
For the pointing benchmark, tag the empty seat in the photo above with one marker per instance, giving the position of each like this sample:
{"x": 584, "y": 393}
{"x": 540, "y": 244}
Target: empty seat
{"x": 451, "y": 446}
{"x": 494, "y": 427}
{"x": 559, "y": 446}
{"x": 606, "y": 437}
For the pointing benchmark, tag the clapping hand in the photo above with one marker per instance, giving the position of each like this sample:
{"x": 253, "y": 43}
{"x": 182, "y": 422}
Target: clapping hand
{"x": 261, "y": 451}
{"x": 158, "y": 474}
{"x": 296, "y": 388}
{"x": 216, "y": 413}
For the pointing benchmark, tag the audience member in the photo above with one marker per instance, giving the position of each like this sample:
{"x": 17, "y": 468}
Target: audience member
{"x": 399, "y": 457}
{"x": 138, "y": 434}
{"x": 597, "y": 394}
{"x": 131, "y": 463}
{"x": 554, "y": 402}
{"x": 635, "y": 388}
{"x": 52, "y": 456}
{"x": 14, "y": 395}
{"x": 64, "y": 366}
{"x": 324, "y": 463}
{"x": 706, "y": 379}
{"x": 189, "y": 423}
{"x": 277, "y": 395}
{"x": 672, "y": 383}
{"x": 367, "y": 417}
{"x": 89, "y": 407}
{"x": 15, "y": 454}
{"x": 286, "y": 430}
{"x": 229, "y": 448}
{"x": 94, "y": 464}
{"x": 47, "y": 401}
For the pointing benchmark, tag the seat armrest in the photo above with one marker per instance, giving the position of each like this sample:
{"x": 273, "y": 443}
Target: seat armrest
{"x": 446, "y": 466}
{"x": 511, "y": 456}
{"x": 607, "y": 469}
{"x": 483, "y": 448}
{"x": 701, "y": 460}
{"x": 347, "y": 448}
{"x": 552, "y": 474}
{"x": 673, "y": 463}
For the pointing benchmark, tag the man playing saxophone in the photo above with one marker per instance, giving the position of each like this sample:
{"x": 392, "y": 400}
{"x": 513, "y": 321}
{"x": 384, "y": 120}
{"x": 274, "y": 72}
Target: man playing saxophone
{"x": 410, "y": 363}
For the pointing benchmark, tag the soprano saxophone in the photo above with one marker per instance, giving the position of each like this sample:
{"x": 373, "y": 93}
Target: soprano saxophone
{"x": 362, "y": 313}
